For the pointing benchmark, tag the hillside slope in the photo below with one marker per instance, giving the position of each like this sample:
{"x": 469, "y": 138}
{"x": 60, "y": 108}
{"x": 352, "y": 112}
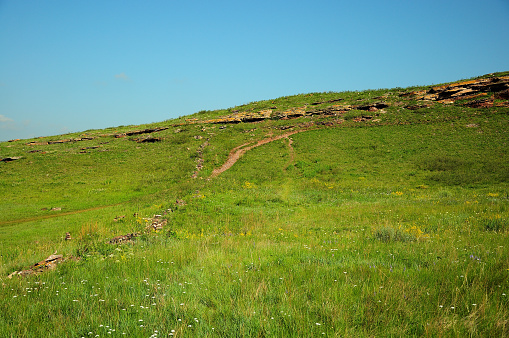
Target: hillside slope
{"x": 381, "y": 212}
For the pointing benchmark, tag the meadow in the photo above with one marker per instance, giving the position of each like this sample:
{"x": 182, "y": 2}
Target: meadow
{"x": 380, "y": 222}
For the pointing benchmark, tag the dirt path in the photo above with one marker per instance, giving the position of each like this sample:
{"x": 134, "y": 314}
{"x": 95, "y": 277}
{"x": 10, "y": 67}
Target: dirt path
{"x": 57, "y": 214}
{"x": 291, "y": 151}
{"x": 237, "y": 152}
{"x": 233, "y": 157}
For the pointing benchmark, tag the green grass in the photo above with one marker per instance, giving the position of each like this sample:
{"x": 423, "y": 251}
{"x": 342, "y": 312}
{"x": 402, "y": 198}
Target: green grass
{"x": 397, "y": 227}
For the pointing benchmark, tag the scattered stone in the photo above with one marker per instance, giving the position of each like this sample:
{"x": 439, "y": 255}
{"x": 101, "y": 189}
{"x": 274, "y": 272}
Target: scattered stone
{"x": 68, "y": 236}
{"x": 56, "y": 209}
{"x": 199, "y": 160}
{"x": 158, "y": 224}
{"x": 180, "y": 202}
{"x": 118, "y": 218}
{"x": 49, "y": 262}
{"x": 123, "y": 238}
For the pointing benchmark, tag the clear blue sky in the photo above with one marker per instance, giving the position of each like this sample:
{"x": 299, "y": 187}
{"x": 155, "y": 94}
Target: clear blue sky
{"x": 68, "y": 66}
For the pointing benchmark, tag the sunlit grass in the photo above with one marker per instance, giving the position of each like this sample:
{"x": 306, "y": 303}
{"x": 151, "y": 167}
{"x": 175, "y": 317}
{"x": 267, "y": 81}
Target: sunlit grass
{"x": 393, "y": 228}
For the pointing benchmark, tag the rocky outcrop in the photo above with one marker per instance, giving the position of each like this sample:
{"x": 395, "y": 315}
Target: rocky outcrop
{"x": 140, "y": 132}
{"x": 293, "y": 113}
{"x": 465, "y": 90}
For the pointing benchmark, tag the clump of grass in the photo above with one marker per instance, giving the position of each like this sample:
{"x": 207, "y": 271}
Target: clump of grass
{"x": 352, "y": 114}
{"x": 389, "y": 234}
{"x": 495, "y": 223}
{"x": 441, "y": 163}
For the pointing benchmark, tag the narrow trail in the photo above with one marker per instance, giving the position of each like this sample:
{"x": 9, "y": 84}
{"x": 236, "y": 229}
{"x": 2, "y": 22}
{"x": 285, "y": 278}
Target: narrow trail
{"x": 291, "y": 152}
{"x": 233, "y": 157}
{"x": 237, "y": 152}
{"x": 59, "y": 214}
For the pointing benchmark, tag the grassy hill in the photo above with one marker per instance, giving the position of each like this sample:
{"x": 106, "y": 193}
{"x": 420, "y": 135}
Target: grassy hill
{"x": 374, "y": 213}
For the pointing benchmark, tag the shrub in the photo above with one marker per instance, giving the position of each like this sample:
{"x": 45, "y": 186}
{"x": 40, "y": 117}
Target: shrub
{"x": 390, "y": 234}
{"x": 495, "y": 224}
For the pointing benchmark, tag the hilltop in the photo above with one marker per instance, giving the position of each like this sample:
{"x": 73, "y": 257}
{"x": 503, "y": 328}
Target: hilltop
{"x": 380, "y": 212}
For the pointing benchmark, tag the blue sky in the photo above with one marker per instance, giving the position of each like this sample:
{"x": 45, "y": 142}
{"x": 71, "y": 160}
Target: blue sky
{"x": 69, "y": 66}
